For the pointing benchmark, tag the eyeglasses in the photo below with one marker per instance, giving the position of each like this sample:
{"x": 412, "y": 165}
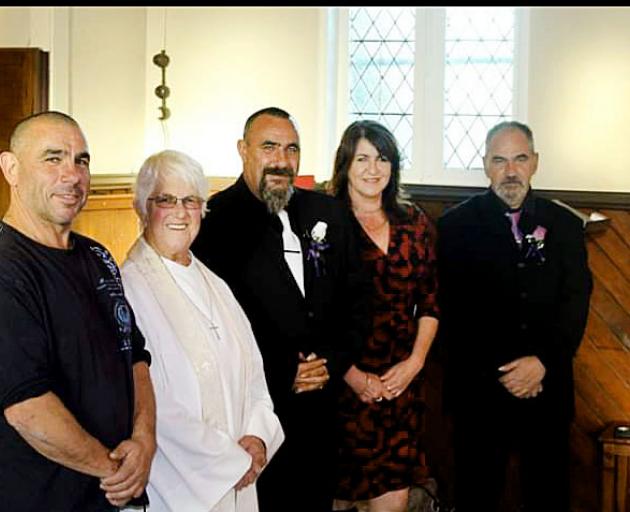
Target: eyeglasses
{"x": 170, "y": 201}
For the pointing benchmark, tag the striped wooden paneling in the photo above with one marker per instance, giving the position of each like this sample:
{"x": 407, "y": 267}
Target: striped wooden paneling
{"x": 602, "y": 363}
{"x": 110, "y": 220}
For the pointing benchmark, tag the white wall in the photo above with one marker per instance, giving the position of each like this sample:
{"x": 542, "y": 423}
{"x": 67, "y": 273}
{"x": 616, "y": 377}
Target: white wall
{"x": 579, "y": 100}
{"x": 107, "y": 83}
{"x": 228, "y": 62}
{"x": 14, "y": 27}
{"x": 97, "y": 73}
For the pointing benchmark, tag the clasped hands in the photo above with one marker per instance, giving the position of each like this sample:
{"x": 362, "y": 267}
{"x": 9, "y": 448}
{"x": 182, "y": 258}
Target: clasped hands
{"x": 132, "y": 459}
{"x": 523, "y": 377}
{"x": 371, "y": 387}
{"x": 311, "y": 373}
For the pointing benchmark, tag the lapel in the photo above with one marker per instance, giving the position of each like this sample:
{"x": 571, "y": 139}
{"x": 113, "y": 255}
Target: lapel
{"x": 530, "y": 216}
{"x": 261, "y": 246}
{"x": 492, "y": 213}
{"x": 299, "y": 224}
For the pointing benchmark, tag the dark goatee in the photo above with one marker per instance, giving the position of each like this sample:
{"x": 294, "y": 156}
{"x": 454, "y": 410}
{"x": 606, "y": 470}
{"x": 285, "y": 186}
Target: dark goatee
{"x": 276, "y": 199}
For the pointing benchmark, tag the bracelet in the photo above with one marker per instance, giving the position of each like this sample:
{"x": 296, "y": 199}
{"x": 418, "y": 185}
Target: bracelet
{"x": 367, "y": 382}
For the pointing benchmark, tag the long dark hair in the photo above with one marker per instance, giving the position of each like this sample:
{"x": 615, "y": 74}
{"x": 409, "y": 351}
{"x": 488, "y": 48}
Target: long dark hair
{"x": 395, "y": 199}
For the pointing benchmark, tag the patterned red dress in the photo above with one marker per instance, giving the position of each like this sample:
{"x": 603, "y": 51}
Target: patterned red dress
{"x": 380, "y": 443}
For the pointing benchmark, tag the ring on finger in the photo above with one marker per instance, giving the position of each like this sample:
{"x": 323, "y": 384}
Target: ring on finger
{"x": 378, "y": 399}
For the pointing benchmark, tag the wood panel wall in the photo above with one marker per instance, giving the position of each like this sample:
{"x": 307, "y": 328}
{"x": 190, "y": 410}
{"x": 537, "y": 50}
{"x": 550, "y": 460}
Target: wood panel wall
{"x": 602, "y": 364}
{"x": 111, "y": 220}
{"x": 602, "y": 367}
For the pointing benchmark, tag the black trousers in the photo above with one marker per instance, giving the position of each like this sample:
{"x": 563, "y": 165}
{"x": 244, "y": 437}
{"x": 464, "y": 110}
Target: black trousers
{"x": 301, "y": 475}
{"x": 484, "y": 438}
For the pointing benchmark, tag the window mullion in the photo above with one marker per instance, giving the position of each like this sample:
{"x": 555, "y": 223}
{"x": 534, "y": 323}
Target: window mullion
{"x": 428, "y": 106}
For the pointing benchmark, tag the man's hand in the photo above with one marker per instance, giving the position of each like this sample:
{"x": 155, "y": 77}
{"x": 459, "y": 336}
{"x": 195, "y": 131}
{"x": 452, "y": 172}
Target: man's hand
{"x": 523, "y": 376}
{"x": 134, "y": 456}
{"x": 256, "y": 448}
{"x": 311, "y": 373}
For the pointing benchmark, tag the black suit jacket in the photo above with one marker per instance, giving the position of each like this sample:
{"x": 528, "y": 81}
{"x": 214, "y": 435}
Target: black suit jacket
{"x": 241, "y": 242}
{"x": 498, "y": 303}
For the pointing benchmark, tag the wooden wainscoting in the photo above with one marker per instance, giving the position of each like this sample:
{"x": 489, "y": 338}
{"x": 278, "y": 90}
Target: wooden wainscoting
{"x": 111, "y": 220}
{"x": 109, "y": 217}
{"x": 602, "y": 363}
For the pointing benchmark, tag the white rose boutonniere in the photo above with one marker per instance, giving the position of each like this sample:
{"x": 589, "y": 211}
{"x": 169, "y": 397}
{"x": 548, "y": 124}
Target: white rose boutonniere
{"x": 318, "y": 233}
{"x": 317, "y": 246}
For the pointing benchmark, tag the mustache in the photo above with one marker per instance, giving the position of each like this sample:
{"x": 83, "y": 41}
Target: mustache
{"x": 279, "y": 171}
{"x": 512, "y": 181}
{"x": 72, "y": 189}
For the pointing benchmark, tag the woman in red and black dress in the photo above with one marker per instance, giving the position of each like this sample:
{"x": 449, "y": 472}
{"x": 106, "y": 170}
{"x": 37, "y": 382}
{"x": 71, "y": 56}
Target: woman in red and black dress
{"x": 380, "y": 447}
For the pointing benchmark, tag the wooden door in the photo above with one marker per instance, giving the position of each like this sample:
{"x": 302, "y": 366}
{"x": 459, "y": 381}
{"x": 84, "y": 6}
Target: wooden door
{"x": 23, "y": 91}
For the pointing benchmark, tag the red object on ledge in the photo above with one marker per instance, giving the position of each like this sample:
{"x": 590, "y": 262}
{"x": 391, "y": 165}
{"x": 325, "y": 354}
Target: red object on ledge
{"x": 305, "y": 181}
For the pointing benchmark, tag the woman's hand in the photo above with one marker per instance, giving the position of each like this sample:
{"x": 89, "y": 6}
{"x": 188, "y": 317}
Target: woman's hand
{"x": 398, "y": 377}
{"x": 366, "y": 385}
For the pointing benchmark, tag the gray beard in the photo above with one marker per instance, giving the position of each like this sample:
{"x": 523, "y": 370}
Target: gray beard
{"x": 513, "y": 196}
{"x": 276, "y": 200}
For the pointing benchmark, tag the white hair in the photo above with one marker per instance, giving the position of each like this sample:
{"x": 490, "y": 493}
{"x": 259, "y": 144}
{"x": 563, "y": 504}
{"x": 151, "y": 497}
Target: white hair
{"x": 168, "y": 163}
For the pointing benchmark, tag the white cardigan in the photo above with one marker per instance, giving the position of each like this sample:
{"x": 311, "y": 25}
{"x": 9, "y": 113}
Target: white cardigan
{"x": 198, "y": 459}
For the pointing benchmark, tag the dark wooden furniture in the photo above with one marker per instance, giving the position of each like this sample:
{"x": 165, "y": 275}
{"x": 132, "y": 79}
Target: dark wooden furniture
{"x": 23, "y": 91}
{"x": 615, "y": 483}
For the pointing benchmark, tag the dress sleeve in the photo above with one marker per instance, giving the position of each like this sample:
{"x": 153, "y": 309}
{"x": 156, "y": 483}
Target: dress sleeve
{"x": 425, "y": 266}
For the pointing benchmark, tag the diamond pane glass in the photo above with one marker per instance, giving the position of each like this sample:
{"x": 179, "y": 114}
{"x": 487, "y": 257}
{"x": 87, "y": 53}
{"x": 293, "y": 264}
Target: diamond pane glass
{"x": 478, "y": 80}
{"x": 381, "y": 48}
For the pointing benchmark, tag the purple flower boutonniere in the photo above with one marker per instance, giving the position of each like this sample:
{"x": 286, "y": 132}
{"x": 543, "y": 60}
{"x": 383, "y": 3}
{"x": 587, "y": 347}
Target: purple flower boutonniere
{"x": 534, "y": 245}
{"x": 317, "y": 246}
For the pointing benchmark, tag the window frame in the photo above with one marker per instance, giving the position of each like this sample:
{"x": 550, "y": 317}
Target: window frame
{"x": 427, "y": 154}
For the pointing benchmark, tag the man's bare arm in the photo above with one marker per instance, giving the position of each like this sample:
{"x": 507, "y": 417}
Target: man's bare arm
{"x": 50, "y": 428}
{"x": 135, "y": 454}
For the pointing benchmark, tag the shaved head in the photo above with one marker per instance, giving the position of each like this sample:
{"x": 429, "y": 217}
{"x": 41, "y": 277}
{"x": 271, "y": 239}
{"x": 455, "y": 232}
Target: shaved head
{"x": 19, "y": 135}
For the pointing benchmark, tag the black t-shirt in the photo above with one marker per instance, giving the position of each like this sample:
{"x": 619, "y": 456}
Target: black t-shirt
{"x": 65, "y": 327}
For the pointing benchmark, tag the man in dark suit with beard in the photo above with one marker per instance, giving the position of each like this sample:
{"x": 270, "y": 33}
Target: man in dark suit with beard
{"x": 290, "y": 258}
{"x": 514, "y": 292}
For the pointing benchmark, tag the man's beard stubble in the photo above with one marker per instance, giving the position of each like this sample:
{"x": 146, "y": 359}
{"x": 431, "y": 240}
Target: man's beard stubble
{"x": 276, "y": 199}
{"x": 510, "y": 193}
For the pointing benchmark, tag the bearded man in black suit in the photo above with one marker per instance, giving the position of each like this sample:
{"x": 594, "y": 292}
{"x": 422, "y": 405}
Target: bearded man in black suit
{"x": 290, "y": 258}
{"x": 514, "y": 291}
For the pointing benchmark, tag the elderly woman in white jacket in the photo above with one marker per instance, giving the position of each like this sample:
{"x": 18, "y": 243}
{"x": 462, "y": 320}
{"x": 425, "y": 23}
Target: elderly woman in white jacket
{"x": 216, "y": 428}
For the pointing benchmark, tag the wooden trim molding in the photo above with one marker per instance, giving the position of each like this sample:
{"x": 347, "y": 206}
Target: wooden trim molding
{"x": 123, "y": 183}
{"x": 575, "y": 198}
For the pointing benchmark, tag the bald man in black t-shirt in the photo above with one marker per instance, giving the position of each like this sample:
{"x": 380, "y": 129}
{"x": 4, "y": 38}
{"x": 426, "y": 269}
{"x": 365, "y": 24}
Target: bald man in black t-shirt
{"x": 78, "y": 429}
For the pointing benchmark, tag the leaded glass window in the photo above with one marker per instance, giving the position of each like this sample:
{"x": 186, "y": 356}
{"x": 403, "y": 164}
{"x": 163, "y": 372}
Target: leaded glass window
{"x": 381, "y": 48}
{"x": 478, "y": 80}
{"x": 478, "y": 76}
